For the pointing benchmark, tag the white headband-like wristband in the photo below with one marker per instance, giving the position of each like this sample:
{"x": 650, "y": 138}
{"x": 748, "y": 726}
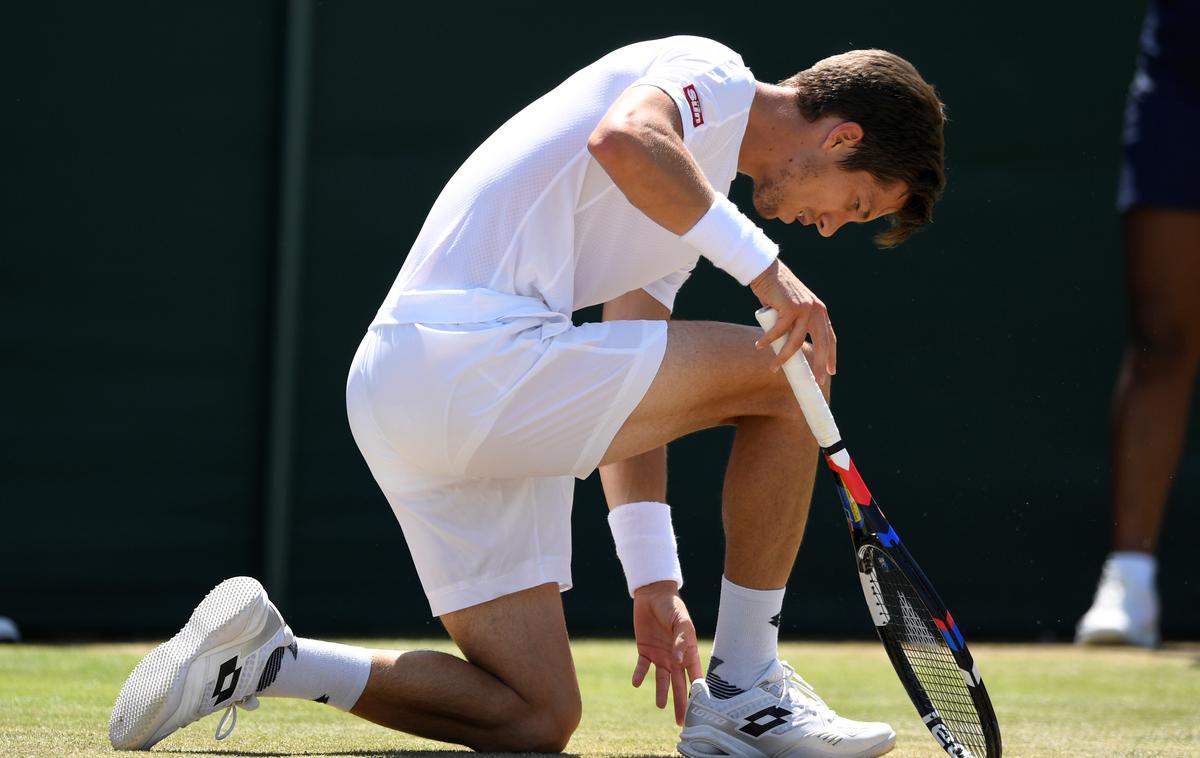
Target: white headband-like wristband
{"x": 645, "y": 543}
{"x": 731, "y": 241}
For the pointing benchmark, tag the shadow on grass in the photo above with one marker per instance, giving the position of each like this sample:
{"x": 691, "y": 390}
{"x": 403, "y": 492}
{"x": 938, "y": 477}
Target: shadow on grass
{"x": 1182, "y": 650}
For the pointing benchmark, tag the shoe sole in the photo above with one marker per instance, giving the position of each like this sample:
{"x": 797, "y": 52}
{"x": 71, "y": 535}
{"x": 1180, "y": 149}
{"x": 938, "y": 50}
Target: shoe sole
{"x": 151, "y": 695}
{"x": 1115, "y": 637}
{"x": 710, "y": 742}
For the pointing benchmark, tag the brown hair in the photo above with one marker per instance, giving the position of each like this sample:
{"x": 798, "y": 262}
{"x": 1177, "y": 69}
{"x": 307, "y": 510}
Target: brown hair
{"x": 902, "y": 120}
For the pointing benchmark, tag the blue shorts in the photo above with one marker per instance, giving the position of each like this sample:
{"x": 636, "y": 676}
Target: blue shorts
{"x": 1161, "y": 166}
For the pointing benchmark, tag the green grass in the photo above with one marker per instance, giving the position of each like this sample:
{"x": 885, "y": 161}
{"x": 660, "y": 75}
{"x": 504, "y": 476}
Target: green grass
{"x": 1052, "y": 701}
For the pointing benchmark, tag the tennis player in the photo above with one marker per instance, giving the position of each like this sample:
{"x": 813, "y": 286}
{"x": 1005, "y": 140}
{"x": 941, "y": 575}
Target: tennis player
{"x": 476, "y": 403}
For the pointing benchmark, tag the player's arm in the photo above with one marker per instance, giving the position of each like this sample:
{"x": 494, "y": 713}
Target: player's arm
{"x": 639, "y": 143}
{"x": 663, "y": 629}
{"x": 637, "y": 305}
{"x": 642, "y": 477}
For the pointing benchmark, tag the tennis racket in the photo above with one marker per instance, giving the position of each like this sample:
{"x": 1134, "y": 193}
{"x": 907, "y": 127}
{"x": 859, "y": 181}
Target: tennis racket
{"x": 922, "y": 639}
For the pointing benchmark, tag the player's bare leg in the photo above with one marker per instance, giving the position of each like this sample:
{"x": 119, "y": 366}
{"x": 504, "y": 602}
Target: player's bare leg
{"x": 1151, "y": 405}
{"x": 767, "y": 490}
{"x": 519, "y": 675}
{"x": 516, "y": 692}
{"x": 712, "y": 375}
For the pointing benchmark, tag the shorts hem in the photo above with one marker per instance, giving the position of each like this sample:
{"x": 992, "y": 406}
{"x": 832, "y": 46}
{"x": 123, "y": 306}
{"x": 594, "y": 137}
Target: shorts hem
{"x": 1162, "y": 203}
{"x": 472, "y": 592}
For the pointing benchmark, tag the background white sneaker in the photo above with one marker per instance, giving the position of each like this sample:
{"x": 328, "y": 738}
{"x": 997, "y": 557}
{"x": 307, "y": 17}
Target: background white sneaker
{"x": 778, "y": 716}
{"x": 214, "y": 662}
{"x": 1125, "y": 609}
{"x": 8, "y": 630}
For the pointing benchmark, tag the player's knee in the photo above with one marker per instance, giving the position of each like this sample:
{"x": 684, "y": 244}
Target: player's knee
{"x": 549, "y": 729}
{"x": 559, "y": 731}
{"x": 1162, "y": 343}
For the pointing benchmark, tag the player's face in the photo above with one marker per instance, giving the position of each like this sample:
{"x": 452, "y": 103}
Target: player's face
{"x": 817, "y": 192}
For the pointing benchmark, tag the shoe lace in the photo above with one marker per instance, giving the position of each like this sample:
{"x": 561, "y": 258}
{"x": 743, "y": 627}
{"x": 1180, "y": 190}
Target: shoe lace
{"x": 250, "y": 703}
{"x": 809, "y": 699}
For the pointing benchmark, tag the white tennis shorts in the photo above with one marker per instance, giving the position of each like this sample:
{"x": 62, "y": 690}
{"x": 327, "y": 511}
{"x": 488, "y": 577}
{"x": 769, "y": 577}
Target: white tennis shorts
{"x": 474, "y": 432}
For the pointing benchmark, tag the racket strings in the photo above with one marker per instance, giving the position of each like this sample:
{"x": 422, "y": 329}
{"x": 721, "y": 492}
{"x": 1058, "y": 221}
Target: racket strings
{"x": 927, "y": 654}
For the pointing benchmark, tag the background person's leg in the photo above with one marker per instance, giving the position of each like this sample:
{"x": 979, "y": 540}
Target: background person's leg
{"x": 1150, "y": 417}
{"x": 516, "y": 692}
{"x": 1158, "y": 375}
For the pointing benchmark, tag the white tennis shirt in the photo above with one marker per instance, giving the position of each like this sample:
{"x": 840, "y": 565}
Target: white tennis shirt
{"x": 531, "y": 222}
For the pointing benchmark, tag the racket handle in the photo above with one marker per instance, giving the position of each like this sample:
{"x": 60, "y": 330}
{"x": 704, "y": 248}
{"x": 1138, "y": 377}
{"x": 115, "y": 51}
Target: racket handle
{"x": 804, "y": 384}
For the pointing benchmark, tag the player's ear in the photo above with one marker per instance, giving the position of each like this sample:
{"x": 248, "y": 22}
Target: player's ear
{"x": 845, "y": 135}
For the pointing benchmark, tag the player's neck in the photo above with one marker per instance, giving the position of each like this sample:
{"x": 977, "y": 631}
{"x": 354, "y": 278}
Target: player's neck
{"x": 774, "y": 130}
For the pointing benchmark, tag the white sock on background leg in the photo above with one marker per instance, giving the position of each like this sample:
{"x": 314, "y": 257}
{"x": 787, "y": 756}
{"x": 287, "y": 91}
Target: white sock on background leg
{"x": 326, "y": 672}
{"x": 747, "y": 638}
{"x": 1136, "y": 568}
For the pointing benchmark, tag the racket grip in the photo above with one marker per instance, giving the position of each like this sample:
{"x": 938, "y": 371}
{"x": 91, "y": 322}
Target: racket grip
{"x": 799, "y": 374}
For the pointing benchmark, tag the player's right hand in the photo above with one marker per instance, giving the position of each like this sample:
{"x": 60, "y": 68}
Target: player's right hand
{"x": 800, "y": 313}
{"x": 666, "y": 638}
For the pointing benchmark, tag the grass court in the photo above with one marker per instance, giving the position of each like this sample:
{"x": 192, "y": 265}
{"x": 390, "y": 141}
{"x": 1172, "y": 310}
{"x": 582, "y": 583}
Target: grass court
{"x": 1053, "y": 701}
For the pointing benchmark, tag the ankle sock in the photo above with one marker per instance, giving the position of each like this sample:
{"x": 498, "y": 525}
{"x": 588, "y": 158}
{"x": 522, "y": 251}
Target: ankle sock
{"x": 1134, "y": 567}
{"x": 747, "y": 639}
{"x": 326, "y": 672}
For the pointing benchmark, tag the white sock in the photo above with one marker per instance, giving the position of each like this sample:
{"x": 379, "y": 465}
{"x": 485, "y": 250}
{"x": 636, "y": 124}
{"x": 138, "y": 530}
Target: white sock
{"x": 1135, "y": 568}
{"x": 747, "y": 639}
{"x": 314, "y": 670}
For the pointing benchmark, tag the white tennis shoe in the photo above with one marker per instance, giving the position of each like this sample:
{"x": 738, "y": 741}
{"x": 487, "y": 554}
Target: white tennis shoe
{"x": 216, "y": 661}
{"x": 1125, "y": 608}
{"x": 779, "y": 717}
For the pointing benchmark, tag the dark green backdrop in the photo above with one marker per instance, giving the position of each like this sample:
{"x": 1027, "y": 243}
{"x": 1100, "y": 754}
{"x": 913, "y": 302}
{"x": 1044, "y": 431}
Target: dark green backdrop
{"x": 140, "y": 266}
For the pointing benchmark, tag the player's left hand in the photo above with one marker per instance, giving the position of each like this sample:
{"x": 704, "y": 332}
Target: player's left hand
{"x": 666, "y": 638}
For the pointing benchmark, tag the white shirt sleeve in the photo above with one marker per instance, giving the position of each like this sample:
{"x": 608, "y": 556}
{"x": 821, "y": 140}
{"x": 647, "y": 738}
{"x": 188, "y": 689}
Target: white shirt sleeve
{"x": 708, "y": 82}
{"x": 664, "y": 290}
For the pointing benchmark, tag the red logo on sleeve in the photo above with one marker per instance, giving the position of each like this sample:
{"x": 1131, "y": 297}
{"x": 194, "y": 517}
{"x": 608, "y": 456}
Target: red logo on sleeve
{"x": 693, "y": 99}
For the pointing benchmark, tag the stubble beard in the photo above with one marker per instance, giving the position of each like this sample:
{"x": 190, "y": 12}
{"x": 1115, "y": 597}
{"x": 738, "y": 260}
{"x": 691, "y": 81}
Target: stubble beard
{"x": 769, "y": 194}
{"x": 767, "y": 197}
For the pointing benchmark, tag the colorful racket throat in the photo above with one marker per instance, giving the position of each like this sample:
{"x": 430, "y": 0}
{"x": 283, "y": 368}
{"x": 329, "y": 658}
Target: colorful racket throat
{"x": 919, "y": 633}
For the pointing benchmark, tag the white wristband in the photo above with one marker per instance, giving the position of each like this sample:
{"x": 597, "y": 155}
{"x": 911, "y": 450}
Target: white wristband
{"x": 731, "y": 241}
{"x": 645, "y": 543}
